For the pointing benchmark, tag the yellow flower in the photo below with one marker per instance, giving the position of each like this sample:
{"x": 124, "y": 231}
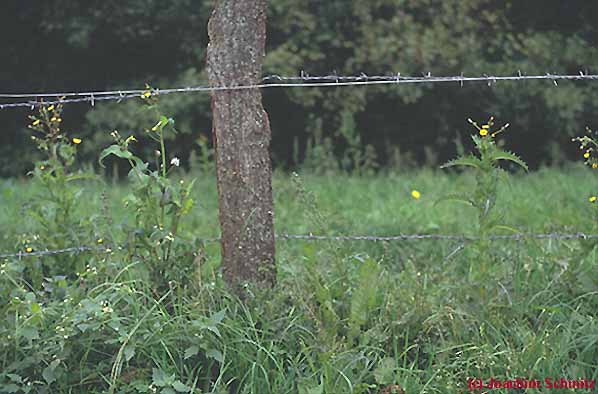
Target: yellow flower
{"x": 51, "y": 108}
{"x": 415, "y": 194}
{"x": 595, "y": 165}
{"x": 484, "y": 132}
{"x": 76, "y": 141}
{"x": 485, "y": 127}
{"x": 593, "y": 199}
{"x": 100, "y": 241}
{"x": 29, "y": 249}
{"x": 36, "y": 122}
{"x": 54, "y": 119}
{"x": 42, "y": 167}
{"x": 587, "y": 155}
{"x": 146, "y": 95}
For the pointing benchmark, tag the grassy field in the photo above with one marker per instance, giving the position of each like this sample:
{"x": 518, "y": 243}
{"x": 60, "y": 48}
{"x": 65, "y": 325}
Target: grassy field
{"x": 345, "y": 317}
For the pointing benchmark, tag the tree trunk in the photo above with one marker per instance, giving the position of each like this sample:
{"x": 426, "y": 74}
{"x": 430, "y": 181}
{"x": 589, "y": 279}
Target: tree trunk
{"x": 241, "y": 134}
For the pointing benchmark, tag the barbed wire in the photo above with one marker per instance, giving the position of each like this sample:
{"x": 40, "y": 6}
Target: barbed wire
{"x": 304, "y": 80}
{"x": 339, "y": 238}
{"x": 437, "y": 237}
{"x": 74, "y": 250}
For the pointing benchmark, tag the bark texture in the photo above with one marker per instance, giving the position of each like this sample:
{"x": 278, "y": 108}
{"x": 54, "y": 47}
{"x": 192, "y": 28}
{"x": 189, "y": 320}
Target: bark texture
{"x": 241, "y": 133}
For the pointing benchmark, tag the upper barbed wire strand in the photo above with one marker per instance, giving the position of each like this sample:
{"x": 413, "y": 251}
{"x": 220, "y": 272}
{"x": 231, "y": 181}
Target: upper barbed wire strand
{"x": 276, "y": 81}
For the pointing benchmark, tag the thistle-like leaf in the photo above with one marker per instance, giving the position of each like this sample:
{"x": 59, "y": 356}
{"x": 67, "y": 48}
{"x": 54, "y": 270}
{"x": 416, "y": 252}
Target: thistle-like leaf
{"x": 505, "y": 155}
{"x": 456, "y": 197}
{"x": 470, "y": 161}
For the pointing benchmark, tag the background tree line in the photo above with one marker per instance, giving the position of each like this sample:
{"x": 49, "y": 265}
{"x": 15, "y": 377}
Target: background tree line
{"x": 106, "y": 44}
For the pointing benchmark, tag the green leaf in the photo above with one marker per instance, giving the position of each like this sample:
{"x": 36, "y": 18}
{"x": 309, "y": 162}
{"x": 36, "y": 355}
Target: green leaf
{"x": 30, "y": 333}
{"x": 9, "y": 388}
{"x": 115, "y": 150}
{"x": 364, "y": 297}
{"x": 48, "y": 372}
{"x": 76, "y": 177}
{"x": 506, "y": 228}
{"x": 468, "y": 161}
{"x": 457, "y": 198}
{"x": 187, "y": 206}
{"x": 138, "y": 174}
{"x": 217, "y": 317}
{"x": 505, "y": 155}
{"x": 191, "y": 351}
{"x": 215, "y": 354}
{"x": 161, "y": 379}
{"x": 319, "y": 389}
{"x": 385, "y": 371}
{"x": 181, "y": 387}
{"x": 129, "y": 352}
{"x": 15, "y": 378}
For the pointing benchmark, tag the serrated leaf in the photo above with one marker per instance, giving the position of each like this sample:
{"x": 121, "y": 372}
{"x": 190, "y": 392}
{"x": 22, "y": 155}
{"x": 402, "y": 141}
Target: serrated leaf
{"x": 468, "y": 161}
{"x": 505, "y": 155}
{"x": 457, "y": 198}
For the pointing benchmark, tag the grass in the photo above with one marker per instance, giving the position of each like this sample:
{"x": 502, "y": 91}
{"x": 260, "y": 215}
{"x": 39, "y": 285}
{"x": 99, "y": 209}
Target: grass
{"x": 356, "y": 317}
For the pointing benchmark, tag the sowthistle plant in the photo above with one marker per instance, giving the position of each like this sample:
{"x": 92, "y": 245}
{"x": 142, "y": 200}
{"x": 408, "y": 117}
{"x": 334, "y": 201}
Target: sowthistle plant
{"x": 53, "y": 208}
{"x": 488, "y": 172}
{"x": 159, "y": 202}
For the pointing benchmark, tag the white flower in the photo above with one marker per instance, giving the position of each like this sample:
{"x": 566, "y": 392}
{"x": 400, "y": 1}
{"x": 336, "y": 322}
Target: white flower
{"x": 175, "y": 161}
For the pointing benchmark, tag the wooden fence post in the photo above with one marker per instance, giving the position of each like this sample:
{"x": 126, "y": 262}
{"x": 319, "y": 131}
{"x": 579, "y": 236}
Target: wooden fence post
{"x": 241, "y": 134}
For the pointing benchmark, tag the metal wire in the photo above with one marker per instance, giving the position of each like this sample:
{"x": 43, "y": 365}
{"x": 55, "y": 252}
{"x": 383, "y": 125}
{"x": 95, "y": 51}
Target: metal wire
{"x": 436, "y": 237}
{"x": 74, "y": 250}
{"x": 342, "y": 238}
{"x": 275, "y": 81}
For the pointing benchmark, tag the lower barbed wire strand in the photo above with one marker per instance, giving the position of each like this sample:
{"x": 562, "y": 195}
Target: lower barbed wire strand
{"x": 339, "y": 238}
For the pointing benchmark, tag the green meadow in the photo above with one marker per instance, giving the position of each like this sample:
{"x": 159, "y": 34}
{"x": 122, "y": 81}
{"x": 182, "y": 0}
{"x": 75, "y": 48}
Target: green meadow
{"x": 344, "y": 317}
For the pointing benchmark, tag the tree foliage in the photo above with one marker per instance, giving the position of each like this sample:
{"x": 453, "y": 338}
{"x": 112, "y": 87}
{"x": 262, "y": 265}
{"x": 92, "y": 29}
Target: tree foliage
{"x": 65, "y": 45}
